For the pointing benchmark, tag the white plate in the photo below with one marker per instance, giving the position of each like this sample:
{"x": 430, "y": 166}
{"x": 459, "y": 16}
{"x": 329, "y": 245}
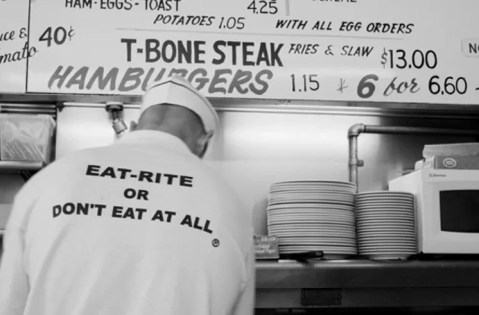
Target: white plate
{"x": 298, "y": 232}
{"x": 289, "y": 194}
{"x": 405, "y": 215}
{"x": 384, "y": 217}
{"x": 324, "y": 239}
{"x": 340, "y": 202}
{"x": 392, "y": 203}
{"x": 336, "y": 209}
{"x": 318, "y": 247}
{"x": 326, "y": 249}
{"x": 312, "y": 219}
{"x": 387, "y": 244}
{"x": 406, "y": 246}
{"x": 320, "y": 240}
{"x": 376, "y": 234}
{"x": 388, "y": 257}
{"x": 383, "y": 223}
{"x": 382, "y": 220}
{"x": 385, "y": 237}
{"x": 387, "y": 233}
{"x": 344, "y": 235}
{"x": 373, "y": 240}
{"x": 319, "y": 205}
{"x": 385, "y": 211}
{"x": 387, "y": 252}
{"x": 388, "y": 198}
{"x": 313, "y": 192}
{"x": 312, "y": 197}
{"x": 380, "y": 235}
{"x": 364, "y": 232}
{"x": 346, "y": 216}
{"x": 385, "y": 192}
{"x": 325, "y": 229}
{"x": 323, "y": 245}
{"x": 361, "y": 230}
{"x": 385, "y": 195}
{"x": 395, "y": 203}
{"x": 314, "y": 182}
{"x": 311, "y": 230}
{"x": 336, "y": 214}
{"x": 300, "y": 224}
{"x": 313, "y": 234}
{"x": 390, "y": 207}
{"x": 325, "y": 201}
{"x": 408, "y": 216}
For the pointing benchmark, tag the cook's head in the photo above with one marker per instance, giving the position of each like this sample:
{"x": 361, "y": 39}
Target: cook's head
{"x": 174, "y": 106}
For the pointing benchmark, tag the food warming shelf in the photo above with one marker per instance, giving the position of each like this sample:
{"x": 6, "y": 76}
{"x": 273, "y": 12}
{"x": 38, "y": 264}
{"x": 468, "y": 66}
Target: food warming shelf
{"x": 367, "y": 284}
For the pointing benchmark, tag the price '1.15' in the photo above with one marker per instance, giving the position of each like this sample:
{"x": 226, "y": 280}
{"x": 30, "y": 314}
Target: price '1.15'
{"x": 305, "y": 83}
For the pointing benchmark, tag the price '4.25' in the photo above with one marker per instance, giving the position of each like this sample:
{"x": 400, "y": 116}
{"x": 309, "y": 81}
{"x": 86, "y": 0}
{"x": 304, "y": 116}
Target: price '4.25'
{"x": 263, "y": 7}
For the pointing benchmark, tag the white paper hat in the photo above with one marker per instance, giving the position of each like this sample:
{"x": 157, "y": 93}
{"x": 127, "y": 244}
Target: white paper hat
{"x": 178, "y": 91}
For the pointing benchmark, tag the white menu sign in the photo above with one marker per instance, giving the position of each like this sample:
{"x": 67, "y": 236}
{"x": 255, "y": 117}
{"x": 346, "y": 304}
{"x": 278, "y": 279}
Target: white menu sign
{"x": 412, "y": 51}
{"x": 14, "y": 50}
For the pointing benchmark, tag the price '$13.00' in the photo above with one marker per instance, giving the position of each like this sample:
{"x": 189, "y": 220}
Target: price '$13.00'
{"x": 400, "y": 59}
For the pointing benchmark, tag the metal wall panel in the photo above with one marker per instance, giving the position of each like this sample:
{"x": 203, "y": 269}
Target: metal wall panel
{"x": 262, "y": 144}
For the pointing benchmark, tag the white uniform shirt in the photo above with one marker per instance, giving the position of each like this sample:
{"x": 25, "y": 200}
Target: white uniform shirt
{"x": 141, "y": 227}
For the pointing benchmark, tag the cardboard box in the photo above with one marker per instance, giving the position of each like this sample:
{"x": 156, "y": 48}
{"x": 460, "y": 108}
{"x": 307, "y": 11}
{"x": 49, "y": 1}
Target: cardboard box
{"x": 266, "y": 247}
{"x": 451, "y": 162}
{"x": 456, "y": 156}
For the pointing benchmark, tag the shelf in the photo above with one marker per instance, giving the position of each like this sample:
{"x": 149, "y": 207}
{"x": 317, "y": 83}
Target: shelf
{"x": 364, "y": 283}
{"x": 20, "y": 166}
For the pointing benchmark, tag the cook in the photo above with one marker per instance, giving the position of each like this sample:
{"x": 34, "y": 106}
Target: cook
{"x": 71, "y": 248}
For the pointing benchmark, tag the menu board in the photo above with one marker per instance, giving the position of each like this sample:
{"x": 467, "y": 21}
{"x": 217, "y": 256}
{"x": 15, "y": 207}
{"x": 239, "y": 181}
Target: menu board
{"x": 14, "y": 49}
{"x": 404, "y": 51}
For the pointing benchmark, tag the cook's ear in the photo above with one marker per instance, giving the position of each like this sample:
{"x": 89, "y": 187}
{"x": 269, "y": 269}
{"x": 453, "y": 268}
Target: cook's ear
{"x": 133, "y": 126}
{"x": 209, "y": 135}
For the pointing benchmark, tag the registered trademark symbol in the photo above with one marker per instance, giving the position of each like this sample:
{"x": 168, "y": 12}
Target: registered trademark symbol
{"x": 216, "y": 242}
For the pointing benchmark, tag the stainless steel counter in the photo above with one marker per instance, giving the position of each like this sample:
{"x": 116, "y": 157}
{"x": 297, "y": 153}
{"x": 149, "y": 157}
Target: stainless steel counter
{"x": 439, "y": 284}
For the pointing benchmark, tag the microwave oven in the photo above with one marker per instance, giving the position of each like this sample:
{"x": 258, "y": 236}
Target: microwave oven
{"x": 446, "y": 209}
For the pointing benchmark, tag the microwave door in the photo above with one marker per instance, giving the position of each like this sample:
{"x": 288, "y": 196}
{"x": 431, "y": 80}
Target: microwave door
{"x": 449, "y": 218}
{"x": 459, "y": 211}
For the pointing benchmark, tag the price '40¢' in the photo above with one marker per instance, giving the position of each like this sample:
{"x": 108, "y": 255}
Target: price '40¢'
{"x": 57, "y": 36}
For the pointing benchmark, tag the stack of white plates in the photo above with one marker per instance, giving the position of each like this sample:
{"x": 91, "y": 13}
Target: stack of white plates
{"x": 313, "y": 216}
{"x": 385, "y": 225}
